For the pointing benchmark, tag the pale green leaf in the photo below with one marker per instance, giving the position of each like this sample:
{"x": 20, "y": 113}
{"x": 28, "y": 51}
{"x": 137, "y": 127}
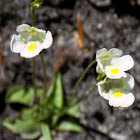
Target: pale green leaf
{"x": 31, "y": 136}
{"x": 21, "y": 94}
{"x": 29, "y": 113}
{"x": 55, "y": 119}
{"x": 58, "y": 92}
{"x": 46, "y": 131}
{"x": 69, "y": 126}
{"x": 10, "y": 125}
{"x": 74, "y": 111}
{"x": 26, "y": 128}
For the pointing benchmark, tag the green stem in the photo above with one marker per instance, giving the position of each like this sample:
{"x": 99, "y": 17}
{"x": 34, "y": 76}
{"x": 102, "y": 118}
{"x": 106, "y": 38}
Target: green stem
{"x": 76, "y": 87}
{"x": 79, "y": 100}
{"x": 82, "y": 77}
{"x": 41, "y": 56}
{"x": 33, "y": 59}
{"x": 44, "y": 71}
{"x": 33, "y": 16}
{"x": 86, "y": 95}
{"x": 33, "y": 78}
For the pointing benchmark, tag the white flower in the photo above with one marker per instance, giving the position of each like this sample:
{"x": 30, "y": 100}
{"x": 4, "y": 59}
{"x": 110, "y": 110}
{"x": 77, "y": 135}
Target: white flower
{"x": 112, "y": 63}
{"x": 30, "y": 41}
{"x": 117, "y": 91}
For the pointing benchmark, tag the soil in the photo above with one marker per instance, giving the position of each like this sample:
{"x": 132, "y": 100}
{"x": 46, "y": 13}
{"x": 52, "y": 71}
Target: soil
{"x": 106, "y": 23}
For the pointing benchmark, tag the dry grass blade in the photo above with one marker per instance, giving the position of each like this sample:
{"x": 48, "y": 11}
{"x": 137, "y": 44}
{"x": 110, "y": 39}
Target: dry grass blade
{"x": 81, "y": 35}
{"x": 61, "y": 58}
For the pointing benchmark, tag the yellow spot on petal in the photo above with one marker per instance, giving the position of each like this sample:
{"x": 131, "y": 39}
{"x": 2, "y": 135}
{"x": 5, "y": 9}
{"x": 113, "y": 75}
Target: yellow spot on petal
{"x": 118, "y": 94}
{"x": 113, "y": 70}
{"x": 32, "y": 47}
{"x": 105, "y": 57}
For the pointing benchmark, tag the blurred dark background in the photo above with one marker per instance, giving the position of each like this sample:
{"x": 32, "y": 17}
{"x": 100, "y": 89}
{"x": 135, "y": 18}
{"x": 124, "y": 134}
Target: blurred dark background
{"x": 106, "y": 23}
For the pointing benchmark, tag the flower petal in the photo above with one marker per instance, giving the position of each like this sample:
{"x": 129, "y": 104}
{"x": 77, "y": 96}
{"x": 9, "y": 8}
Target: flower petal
{"x": 129, "y": 82}
{"x": 114, "y": 73}
{"x": 100, "y": 65}
{"x": 23, "y": 27}
{"x": 48, "y": 41}
{"x": 124, "y": 84}
{"x": 124, "y": 63}
{"x": 38, "y": 30}
{"x": 102, "y": 91}
{"x": 101, "y": 52}
{"x": 98, "y": 70}
{"x": 98, "y": 59}
{"x": 117, "y": 91}
{"x": 16, "y": 45}
{"x": 105, "y": 57}
{"x": 30, "y": 53}
{"x": 114, "y": 52}
{"x": 36, "y": 34}
{"x": 125, "y": 101}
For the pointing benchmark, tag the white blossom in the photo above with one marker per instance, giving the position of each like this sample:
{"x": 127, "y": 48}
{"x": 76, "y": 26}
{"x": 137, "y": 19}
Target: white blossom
{"x": 112, "y": 64}
{"x": 30, "y": 41}
{"x": 117, "y": 91}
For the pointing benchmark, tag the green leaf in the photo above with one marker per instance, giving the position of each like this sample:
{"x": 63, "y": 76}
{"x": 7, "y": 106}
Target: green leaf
{"x": 49, "y": 93}
{"x": 29, "y": 129}
{"x": 29, "y": 113}
{"x": 21, "y": 94}
{"x": 50, "y": 90}
{"x": 58, "y": 92}
{"x": 36, "y": 4}
{"x": 46, "y": 131}
{"x": 10, "y": 125}
{"x": 74, "y": 111}
{"x": 55, "y": 119}
{"x": 31, "y": 136}
{"x": 38, "y": 113}
{"x": 69, "y": 126}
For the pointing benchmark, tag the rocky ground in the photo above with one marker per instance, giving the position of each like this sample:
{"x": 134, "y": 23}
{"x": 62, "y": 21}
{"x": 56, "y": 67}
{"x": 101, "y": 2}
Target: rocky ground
{"x": 106, "y": 23}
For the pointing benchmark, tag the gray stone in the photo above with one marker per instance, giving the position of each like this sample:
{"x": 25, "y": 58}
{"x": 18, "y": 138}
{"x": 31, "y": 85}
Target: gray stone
{"x": 101, "y": 3}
